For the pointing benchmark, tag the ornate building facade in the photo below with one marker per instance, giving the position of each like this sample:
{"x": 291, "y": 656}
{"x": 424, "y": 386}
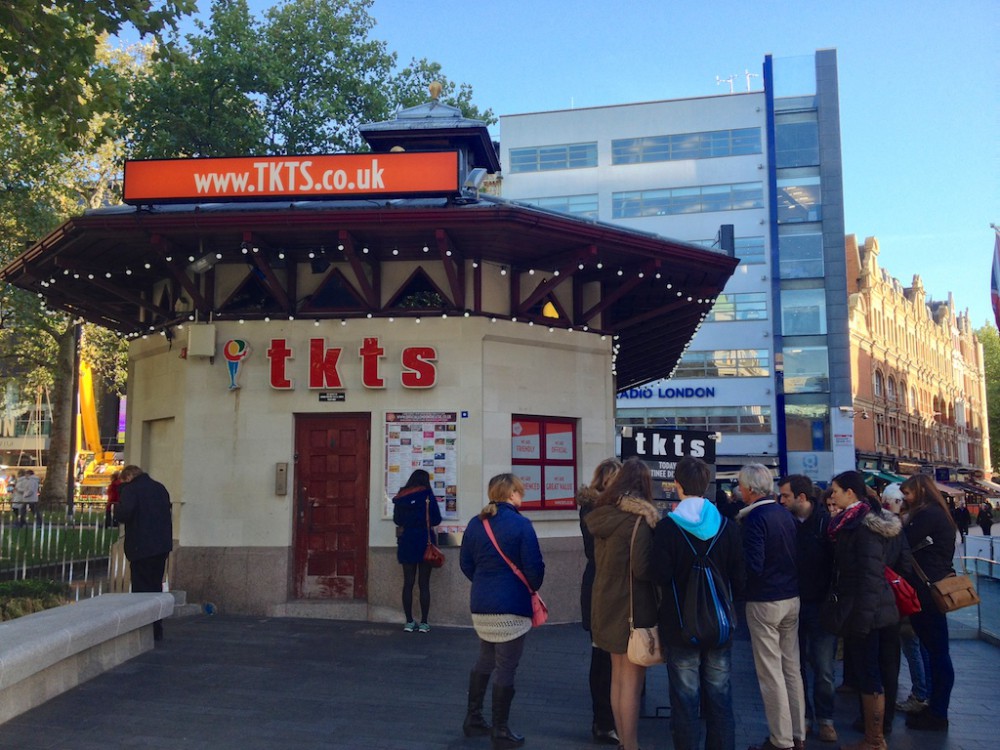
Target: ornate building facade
{"x": 918, "y": 375}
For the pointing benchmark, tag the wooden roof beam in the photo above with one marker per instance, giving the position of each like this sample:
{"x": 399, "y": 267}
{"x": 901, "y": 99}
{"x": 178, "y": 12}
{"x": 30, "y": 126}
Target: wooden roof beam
{"x": 351, "y": 253}
{"x": 454, "y": 269}
{"x": 270, "y": 278}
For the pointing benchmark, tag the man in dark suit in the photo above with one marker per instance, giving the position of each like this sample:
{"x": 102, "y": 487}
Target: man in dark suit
{"x": 144, "y": 508}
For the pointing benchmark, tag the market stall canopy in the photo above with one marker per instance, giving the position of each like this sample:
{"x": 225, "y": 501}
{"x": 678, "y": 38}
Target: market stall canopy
{"x": 883, "y": 476}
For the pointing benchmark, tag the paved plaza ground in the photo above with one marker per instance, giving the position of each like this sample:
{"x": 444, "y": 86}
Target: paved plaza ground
{"x": 242, "y": 683}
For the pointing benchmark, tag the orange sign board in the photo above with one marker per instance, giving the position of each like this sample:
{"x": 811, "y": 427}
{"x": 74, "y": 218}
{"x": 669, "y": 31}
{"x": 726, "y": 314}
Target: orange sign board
{"x": 317, "y": 177}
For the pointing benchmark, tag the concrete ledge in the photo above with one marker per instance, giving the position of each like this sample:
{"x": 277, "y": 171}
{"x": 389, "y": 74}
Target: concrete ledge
{"x": 49, "y": 652}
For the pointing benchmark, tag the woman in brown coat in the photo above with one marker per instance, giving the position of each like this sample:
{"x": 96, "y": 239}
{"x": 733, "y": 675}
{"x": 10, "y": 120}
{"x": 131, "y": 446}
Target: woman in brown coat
{"x": 626, "y": 500}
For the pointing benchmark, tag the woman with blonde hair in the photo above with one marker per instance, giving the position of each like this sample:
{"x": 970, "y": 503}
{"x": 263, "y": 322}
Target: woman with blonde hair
{"x": 500, "y": 603}
{"x": 603, "y": 727}
{"x": 624, "y": 512}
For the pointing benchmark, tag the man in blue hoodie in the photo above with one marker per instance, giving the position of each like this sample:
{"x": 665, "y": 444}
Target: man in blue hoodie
{"x": 698, "y": 676}
{"x": 770, "y": 543}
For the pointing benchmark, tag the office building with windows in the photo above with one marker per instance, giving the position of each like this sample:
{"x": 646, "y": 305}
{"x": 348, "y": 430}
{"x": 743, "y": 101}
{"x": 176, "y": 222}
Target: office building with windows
{"x": 755, "y": 174}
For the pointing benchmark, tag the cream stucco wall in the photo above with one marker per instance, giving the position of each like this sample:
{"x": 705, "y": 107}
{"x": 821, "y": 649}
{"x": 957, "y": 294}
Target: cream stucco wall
{"x": 220, "y": 463}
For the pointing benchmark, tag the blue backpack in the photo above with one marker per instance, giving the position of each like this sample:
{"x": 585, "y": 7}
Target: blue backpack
{"x": 706, "y": 615}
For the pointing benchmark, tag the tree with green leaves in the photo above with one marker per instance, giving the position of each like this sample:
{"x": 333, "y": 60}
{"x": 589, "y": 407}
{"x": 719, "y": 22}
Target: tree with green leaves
{"x": 990, "y": 340}
{"x": 47, "y": 179}
{"x": 301, "y": 79}
{"x": 49, "y": 51}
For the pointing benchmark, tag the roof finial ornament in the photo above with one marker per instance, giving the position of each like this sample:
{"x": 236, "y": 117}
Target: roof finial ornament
{"x": 435, "y": 88}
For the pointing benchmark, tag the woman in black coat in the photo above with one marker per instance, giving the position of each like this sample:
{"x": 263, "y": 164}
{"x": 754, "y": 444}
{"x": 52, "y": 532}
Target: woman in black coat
{"x": 415, "y": 511}
{"x": 863, "y": 607}
{"x": 930, "y": 530}
{"x": 603, "y": 728}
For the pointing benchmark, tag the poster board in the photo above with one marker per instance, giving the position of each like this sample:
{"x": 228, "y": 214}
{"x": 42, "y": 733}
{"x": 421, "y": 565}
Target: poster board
{"x": 422, "y": 440}
{"x": 661, "y": 449}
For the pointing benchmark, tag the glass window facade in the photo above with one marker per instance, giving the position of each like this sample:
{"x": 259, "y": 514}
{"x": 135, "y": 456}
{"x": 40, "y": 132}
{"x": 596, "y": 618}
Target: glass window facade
{"x": 799, "y": 198}
{"x": 807, "y": 369}
{"x": 549, "y": 158}
{"x": 749, "y": 250}
{"x": 746, "y": 420}
{"x": 687, "y": 200}
{"x": 577, "y": 205}
{"x": 739, "y": 306}
{"x": 724, "y": 363}
{"x": 807, "y": 425}
{"x": 796, "y": 138}
{"x": 803, "y": 312}
{"x": 800, "y": 254}
{"x": 686, "y": 146}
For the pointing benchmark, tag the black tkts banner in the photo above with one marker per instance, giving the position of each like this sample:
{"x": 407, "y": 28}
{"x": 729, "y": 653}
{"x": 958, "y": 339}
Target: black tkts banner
{"x": 661, "y": 449}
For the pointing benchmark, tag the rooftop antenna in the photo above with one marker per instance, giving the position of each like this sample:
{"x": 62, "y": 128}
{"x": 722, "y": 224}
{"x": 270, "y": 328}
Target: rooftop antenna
{"x": 730, "y": 80}
{"x": 749, "y": 75}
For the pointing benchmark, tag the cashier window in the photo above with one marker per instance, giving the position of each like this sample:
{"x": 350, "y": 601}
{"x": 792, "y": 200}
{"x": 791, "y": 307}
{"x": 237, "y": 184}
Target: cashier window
{"x": 543, "y": 455}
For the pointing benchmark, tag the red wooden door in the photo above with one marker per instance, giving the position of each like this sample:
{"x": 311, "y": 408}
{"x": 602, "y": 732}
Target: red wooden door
{"x": 332, "y": 455}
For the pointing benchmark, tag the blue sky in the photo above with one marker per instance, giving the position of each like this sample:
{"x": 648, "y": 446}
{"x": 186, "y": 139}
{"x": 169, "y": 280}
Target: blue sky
{"x": 919, "y": 95}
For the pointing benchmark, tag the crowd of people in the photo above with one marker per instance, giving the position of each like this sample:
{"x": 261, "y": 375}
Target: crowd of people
{"x": 812, "y": 568}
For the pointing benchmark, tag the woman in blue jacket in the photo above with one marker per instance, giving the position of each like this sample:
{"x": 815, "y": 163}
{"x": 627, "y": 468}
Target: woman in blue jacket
{"x": 415, "y": 511}
{"x": 500, "y": 603}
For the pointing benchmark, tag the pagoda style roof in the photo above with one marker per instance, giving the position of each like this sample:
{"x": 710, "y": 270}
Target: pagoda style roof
{"x": 147, "y": 268}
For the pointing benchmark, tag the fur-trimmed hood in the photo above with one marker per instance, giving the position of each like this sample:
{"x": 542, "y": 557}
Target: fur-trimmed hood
{"x": 604, "y": 520}
{"x": 883, "y": 523}
{"x": 586, "y": 497}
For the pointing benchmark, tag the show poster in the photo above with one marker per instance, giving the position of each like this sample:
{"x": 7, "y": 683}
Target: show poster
{"x": 661, "y": 449}
{"x": 423, "y": 440}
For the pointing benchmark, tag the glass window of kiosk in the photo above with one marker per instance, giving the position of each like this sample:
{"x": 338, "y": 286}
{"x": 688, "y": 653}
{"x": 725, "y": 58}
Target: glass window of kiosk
{"x": 543, "y": 455}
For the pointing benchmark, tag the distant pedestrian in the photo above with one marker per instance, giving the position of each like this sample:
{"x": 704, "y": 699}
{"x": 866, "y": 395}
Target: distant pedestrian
{"x": 16, "y": 505}
{"x": 144, "y": 508}
{"x": 500, "y": 603}
{"x": 113, "y": 496}
{"x": 963, "y": 519}
{"x": 29, "y": 498}
{"x": 603, "y": 727}
{"x": 416, "y": 513}
{"x": 985, "y": 518}
{"x": 772, "y": 610}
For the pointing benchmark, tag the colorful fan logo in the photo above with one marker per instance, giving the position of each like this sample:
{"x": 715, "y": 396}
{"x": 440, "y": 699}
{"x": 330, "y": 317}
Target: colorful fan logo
{"x": 235, "y": 351}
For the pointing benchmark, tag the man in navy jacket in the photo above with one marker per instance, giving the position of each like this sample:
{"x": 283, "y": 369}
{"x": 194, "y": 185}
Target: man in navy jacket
{"x": 772, "y": 592}
{"x": 144, "y": 508}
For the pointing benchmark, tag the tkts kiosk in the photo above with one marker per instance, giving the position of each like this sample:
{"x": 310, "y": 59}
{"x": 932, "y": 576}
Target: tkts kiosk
{"x": 307, "y": 330}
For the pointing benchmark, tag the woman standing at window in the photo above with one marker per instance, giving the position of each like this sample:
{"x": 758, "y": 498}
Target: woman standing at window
{"x": 621, "y": 565}
{"x": 500, "y": 603}
{"x": 415, "y": 511}
{"x": 927, "y": 518}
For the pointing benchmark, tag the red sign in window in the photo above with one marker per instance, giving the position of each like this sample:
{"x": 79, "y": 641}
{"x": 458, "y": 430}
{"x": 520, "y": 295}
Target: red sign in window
{"x": 543, "y": 454}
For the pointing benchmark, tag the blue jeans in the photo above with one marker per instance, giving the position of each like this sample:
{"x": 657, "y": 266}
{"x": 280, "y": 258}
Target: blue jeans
{"x": 819, "y": 649}
{"x": 931, "y": 628}
{"x": 700, "y": 678}
{"x": 914, "y": 652}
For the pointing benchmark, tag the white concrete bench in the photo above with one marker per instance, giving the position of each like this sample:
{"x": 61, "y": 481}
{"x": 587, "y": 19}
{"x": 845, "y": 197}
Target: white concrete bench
{"x": 47, "y": 653}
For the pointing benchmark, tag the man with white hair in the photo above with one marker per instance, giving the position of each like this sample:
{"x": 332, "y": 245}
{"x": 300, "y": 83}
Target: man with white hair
{"x": 772, "y": 611}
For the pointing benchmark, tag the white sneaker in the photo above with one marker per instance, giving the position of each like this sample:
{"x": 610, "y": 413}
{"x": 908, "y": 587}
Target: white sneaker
{"x": 912, "y": 705}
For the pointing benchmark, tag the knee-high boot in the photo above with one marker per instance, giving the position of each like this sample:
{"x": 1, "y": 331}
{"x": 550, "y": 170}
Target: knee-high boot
{"x": 475, "y": 725}
{"x": 873, "y": 707}
{"x": 503, "y": 738}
